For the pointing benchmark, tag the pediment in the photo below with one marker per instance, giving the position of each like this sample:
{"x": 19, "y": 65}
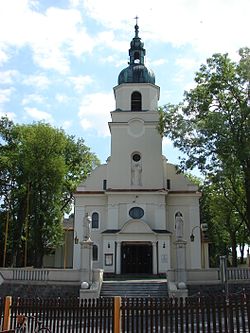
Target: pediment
{"x": 136, "y": 227}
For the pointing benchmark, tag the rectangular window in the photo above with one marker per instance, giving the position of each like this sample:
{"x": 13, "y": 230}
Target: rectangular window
{"x": 104, "y": 184}
{"x": 109, "y": 259}
{"x": 168, "y": 184}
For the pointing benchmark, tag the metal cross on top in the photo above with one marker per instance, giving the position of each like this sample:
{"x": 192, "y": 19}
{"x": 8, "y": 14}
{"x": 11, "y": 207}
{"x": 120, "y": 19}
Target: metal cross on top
{"x": 136, "y": 20}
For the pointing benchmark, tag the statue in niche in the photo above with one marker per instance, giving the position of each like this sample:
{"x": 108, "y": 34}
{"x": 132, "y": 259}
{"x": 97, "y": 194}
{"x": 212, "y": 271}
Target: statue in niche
{"x": 178, "y": 226}
{"x": 87, "y": 226}
{"x": 136, "y": 173}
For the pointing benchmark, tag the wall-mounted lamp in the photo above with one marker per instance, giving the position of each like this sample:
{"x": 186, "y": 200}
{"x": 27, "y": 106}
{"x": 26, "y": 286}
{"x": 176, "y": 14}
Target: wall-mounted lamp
{"x": 203, "y": 227}
{"x": 164, "y": 245}
{"x": 76, "y": 239}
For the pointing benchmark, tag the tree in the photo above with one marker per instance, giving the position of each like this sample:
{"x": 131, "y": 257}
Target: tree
{"x": 221, "y": 209}
{"x": 40, "y": 167}
{"x": 211, "y": 125}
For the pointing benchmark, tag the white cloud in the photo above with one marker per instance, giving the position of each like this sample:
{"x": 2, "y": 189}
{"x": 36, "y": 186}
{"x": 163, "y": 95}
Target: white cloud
{"x": 32, "y": 98}
{"x": 51, "y": 35}
{"x": 80, "y": 82}
{"x": 40, "y": 81}
{"x": 62, "y": 98}
{"x": 166, "y": 142}
{"x": 208, "y": 26}
{"x": 6, "y": 77}
{"x": 36, "y": 114}
{"x": 9, "y": 115}
{"x": 66, "y": 124}
{"x": 158, "y": 62}
{"x": 5, "y": 95}
{"x": 3, "y": 55}
{"x": 95, "y": 111}
{"x": 86, "y": 124}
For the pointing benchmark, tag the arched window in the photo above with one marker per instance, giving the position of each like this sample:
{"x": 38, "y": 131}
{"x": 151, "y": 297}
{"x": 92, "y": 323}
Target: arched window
{"x": 95, "y": 221}
{"x": 136, "y": 101}
{"x": 95, "y": 253}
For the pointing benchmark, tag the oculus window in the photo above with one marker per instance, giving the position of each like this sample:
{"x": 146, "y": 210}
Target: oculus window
{"x": 136, "y": 212}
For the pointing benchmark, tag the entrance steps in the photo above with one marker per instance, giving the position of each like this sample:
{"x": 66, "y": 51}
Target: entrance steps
{"x": 135, "y": 288}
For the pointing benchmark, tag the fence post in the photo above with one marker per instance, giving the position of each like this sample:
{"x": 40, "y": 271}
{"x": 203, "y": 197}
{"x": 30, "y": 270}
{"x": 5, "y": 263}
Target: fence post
{"x": 117, "y": 314}
{"x": 6, "y": 319}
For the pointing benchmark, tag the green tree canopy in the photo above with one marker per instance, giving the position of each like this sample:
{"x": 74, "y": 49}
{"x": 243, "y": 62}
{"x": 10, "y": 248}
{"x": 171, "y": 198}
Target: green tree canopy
{"x": 211, "y": 125}
{"x": 40, "y": 167}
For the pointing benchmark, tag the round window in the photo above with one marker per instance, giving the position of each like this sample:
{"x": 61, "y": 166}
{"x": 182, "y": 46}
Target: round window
{"x": 136, "y": 157}
{"x": 136, "y": 212}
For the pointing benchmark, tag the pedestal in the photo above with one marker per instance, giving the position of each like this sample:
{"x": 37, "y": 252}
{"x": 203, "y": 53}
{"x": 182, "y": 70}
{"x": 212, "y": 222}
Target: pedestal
{"x": 181, "y": 273}
{"x": 86, "y": 261}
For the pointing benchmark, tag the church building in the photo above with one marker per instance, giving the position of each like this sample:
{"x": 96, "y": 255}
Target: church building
{"x": 136, "y": 208}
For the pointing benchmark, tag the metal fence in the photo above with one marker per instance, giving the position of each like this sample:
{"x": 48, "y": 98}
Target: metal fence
{"x": 222, "y": 314}
{"x": 198, "y": 314}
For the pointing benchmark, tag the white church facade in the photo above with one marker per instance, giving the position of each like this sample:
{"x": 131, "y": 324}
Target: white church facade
{"x": 139, "y": 208}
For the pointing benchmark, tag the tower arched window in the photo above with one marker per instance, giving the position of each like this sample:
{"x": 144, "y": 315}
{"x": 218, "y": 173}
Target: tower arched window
{"x": 95, "y": 252}
{"x": 136, "y": 57}
{"x": 136, "y": 101}
{"x": 95, "y": 221}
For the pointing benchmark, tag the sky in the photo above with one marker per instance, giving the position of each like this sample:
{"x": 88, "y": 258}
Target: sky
{"x": 60, "y": 59}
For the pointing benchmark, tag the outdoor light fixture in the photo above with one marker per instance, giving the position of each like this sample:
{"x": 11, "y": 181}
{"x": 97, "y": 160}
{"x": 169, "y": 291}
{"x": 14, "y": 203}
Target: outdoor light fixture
{"x": 76, "y": 239}
{"x": 203, "y": 227}
{"x": 164, "y": 245}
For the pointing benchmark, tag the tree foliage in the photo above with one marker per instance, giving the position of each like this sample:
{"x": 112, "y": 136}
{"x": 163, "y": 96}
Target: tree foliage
{"x": 40, "y": 167}
{"x": 211, "y": 125}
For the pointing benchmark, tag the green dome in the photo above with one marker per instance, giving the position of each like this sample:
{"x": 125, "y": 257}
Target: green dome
{"x": 136, "y": 72}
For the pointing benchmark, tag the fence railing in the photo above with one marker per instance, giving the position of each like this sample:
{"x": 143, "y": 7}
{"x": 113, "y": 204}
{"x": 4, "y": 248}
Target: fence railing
{"x": 31, "y": 274}
{"x": 238, "y": 273}
{"x": 222, "y": 314}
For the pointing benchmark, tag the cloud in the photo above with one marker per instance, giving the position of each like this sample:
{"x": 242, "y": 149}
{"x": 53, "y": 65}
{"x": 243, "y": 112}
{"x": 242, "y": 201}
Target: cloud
{"x": 60, "y": 98}
{"x": 38, "y": 115}
{"x": 39, "y": 81}
{"x": 3, "y": 55}
{"x": 66, "y": 124}
{"x": 9, "y": 115}
{"x": 51, "y": 35}
{"x": 94, "y": 112}
{"x": 80, "y": 82}
{"x": 7, "y": 77}
{"x": 208, "y": 26}
{"x": 166, "y": 142}
{"x": 32, "y": 98}
{"x": 5, "y": 95}
{"x": 158, "y": 62}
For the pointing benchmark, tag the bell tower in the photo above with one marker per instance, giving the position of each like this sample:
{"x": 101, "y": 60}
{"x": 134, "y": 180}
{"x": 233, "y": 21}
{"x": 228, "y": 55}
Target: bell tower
{"x": 136, "y": 145}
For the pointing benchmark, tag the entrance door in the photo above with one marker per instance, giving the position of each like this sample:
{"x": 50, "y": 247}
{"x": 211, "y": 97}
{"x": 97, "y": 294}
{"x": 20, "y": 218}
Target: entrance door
{"x": 136, "y": 258}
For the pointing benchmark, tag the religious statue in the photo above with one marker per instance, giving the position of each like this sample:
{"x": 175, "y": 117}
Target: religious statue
{"x": 136, "y": 173}
{"x": 179, "y": 225}
{"x": 87, "y": 226}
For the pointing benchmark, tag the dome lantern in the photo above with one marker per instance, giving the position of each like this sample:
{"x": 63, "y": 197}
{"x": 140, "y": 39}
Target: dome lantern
{"x": 136, "y": 72}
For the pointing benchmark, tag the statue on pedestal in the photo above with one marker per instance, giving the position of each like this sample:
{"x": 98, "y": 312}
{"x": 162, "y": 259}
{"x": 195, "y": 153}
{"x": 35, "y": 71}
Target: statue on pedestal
{"x": 178, "y": 226}
{"x": 87, "y": 226}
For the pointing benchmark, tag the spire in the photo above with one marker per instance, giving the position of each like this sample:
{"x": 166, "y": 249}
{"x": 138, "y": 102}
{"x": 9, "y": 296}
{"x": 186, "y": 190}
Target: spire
{"x": 136, "y": 72}
{"x": 136, "y": 51}
{"x": 136, "y": 27}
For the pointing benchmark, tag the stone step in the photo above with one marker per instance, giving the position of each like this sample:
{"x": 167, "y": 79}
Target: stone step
{"x": 134, "y": 288}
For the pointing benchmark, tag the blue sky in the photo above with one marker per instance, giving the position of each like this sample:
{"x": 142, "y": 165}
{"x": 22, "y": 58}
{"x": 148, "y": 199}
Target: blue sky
{"x": 59, "y": 60}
